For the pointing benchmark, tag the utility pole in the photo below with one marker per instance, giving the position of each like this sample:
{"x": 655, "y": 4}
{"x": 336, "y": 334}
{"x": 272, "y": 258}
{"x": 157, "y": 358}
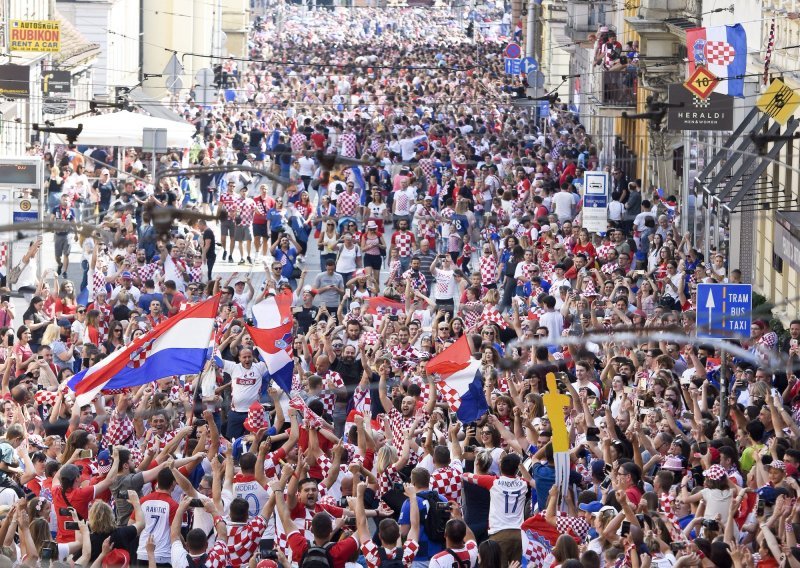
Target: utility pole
{"x": 530, "y": 43}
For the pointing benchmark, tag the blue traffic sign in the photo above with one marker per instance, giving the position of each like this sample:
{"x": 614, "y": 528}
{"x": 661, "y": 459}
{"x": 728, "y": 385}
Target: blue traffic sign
{"x": 529, "y": 65}
{"x": 512, "y": 66}
{"x": 724, "y": 310}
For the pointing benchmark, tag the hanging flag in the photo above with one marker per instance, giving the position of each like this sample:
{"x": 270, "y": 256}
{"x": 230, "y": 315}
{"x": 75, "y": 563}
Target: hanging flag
{"x": 272, "y": 336}
{"x": 518, "y": 31}
{"x": 177, "y": 346}
{"x": 723, "y": 50}
{"x": 360, "y": 183}
{"x": 461, "y": 383}
{"x": 381, "y": 305}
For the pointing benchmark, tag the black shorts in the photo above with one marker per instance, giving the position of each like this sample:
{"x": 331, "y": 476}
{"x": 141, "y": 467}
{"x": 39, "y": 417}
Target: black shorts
{"x": 373, "y": 261}
{"x": 260, "y": 231}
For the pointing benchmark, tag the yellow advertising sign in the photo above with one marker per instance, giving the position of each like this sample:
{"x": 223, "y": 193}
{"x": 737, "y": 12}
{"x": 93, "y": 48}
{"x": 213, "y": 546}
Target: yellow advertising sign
{"x": 555, "y": 402}
{"x": 779, "y": 101}
{"x": 34, "y": 35}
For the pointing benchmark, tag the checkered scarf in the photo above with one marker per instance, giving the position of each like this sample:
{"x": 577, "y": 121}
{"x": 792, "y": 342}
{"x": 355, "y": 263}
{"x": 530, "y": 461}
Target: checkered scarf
{"x": 309, "y": 417}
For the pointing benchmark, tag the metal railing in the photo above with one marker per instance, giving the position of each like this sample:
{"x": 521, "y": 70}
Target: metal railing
{"x": 619, "y": 88}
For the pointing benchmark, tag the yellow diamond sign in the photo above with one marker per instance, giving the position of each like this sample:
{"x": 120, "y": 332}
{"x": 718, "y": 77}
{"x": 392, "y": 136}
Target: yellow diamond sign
{"x": 779, "y": 101}
{"x": 702, "y": 82}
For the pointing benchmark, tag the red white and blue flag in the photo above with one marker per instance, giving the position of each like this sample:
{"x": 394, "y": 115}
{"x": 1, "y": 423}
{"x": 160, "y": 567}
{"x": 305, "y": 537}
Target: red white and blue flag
{"x": 723, "y": 51}
{"x": 177, "y": 346}
{"x": 272, "y": 335}
{"x": 461, "y": 384}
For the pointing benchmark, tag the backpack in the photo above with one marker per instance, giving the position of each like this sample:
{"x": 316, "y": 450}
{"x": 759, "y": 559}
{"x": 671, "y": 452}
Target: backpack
{"x": 386, "y": 562}
{"x": 317, "y": 556}
{"x": 435, "y": 518}
{"x": 458, "y": 562}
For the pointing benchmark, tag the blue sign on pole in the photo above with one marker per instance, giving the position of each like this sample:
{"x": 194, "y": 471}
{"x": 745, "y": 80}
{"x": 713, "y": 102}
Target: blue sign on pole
{"x": 512, "y": 66}
{"x": 24, "y": 216}
{"x": 724, "y": 310}
{"x": 529, "y": 65}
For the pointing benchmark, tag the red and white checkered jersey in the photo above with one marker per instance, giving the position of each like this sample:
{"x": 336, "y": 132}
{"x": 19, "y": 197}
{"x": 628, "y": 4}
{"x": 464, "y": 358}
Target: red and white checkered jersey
{"x": 385, "y": 480}
{"x": 408, "y": 351}
{"x": 370, "y": 551}
{"x": 348, "y": 203}
{"x": 491, "y": 315}
{"x": 145, "y": 271}
{"x": 332, "y": 380}
{"x": 272, "y": 463}
{"x": 298, "y": 142}
{"x": 243, "y": 539}
{"x": 467, "y": 556}
{"x": 400, "y": 424}
{"x": 446, "y": 481}
{"x": 577, "y": 525}
{"x": 404, "y": 242}
{"x": 349, "y": 144}
{"x": 488, "y": 268}
{"x": 229, "y": 202}
{"x": 246, "y": 211}
{"x": 417, "y": 280}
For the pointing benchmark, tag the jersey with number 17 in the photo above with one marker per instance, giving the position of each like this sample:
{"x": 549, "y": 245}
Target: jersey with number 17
{"x": 507, "y": 500}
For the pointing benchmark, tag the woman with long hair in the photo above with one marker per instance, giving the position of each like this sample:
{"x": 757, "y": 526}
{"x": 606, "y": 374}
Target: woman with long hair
{"x": 629, "y": 480}
{"x": 327, "y": 242}
{"x": 63, "y": 355}
{"x": 373, "y": 247}
{"x": 68, "y": 494}
{"x": 654, "y": 256}
{"x": 565, "y": 549}
{"x": 116, "y": 339}
{"x": 36, "y": 320}
{"x": 92, "y": 329}
{"x": 65, "y": 303}
{"x": 489, "y": 437}
{"x": 103, "y": 525}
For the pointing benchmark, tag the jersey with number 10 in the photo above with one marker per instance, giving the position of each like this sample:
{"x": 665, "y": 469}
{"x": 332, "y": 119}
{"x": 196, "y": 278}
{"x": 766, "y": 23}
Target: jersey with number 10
{"x": 507, "y": 500}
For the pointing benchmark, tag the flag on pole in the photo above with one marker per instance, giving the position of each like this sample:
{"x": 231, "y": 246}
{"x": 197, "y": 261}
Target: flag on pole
{"x": 272, "y": 335}
{"x": 723, "y": 50}
{"x": 177, "y": 346}
{"x": 461, "y": 383}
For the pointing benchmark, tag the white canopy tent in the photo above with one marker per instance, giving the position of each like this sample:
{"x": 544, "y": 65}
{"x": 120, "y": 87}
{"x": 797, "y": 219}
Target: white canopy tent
{"x": 125, "y": 128}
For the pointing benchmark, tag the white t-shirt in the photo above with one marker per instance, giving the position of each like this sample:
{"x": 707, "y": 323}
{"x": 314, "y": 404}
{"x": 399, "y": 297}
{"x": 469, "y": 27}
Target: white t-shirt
{"x": 562, "y": 205}
{"x": 306, "y": 166}
{"x": 245, "y": 383}
{"x": 445, "y": 284}
{"x": 507, "y": 504}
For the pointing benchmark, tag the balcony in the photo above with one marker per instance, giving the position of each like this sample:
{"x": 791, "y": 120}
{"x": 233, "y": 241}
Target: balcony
{"x": 584, "y": 18}
{"x": 619, "y": 88}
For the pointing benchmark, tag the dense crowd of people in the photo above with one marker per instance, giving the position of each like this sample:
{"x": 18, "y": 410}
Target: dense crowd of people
{"x": 442, "y": 217}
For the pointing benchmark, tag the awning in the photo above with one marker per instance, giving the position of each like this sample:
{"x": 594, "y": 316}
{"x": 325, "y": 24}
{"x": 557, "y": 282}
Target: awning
{"x": 738, "y": 183}
{"x": 125, "y": 128}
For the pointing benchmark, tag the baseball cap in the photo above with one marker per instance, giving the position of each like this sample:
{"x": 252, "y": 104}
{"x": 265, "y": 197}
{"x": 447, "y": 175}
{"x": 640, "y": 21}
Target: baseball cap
{"x": 64, "y": 322}
{"x": 127, "y": 274}
{"x": 593, "y": 507}
{"x": 117, "y": 558}
{"x": 103, "y": 462}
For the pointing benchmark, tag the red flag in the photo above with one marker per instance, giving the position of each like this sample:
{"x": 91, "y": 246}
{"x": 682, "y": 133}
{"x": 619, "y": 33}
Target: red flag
{"x": 454, "y": 358}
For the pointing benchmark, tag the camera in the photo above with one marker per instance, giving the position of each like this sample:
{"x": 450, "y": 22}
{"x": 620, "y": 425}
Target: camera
{"x": 711, "y": 524}
{"x": 265, "y": 551}
{"x": 64, "y": 511}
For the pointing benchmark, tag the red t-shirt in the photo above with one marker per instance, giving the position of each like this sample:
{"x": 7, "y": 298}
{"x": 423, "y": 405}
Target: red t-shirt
{"x": 80, "y": 499}
{"x": 340, "y": 552}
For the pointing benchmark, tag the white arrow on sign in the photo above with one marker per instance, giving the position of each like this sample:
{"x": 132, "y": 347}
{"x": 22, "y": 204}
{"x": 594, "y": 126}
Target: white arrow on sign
{"x": 710, "y": 305}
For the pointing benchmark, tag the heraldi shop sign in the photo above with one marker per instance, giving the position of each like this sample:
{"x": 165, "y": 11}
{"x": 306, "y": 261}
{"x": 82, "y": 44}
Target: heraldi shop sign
{"x": 712, "y": 113}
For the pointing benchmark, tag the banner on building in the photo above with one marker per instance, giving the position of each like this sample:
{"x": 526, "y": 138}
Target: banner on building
{"x": 594, "y": 215}
{"x": 34, "y": 35}
{"x": 779, "y": 101}
{"x": 15, "y": 81}
{"x": 723, "y": 50}
{"x": 712, "y": 113}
